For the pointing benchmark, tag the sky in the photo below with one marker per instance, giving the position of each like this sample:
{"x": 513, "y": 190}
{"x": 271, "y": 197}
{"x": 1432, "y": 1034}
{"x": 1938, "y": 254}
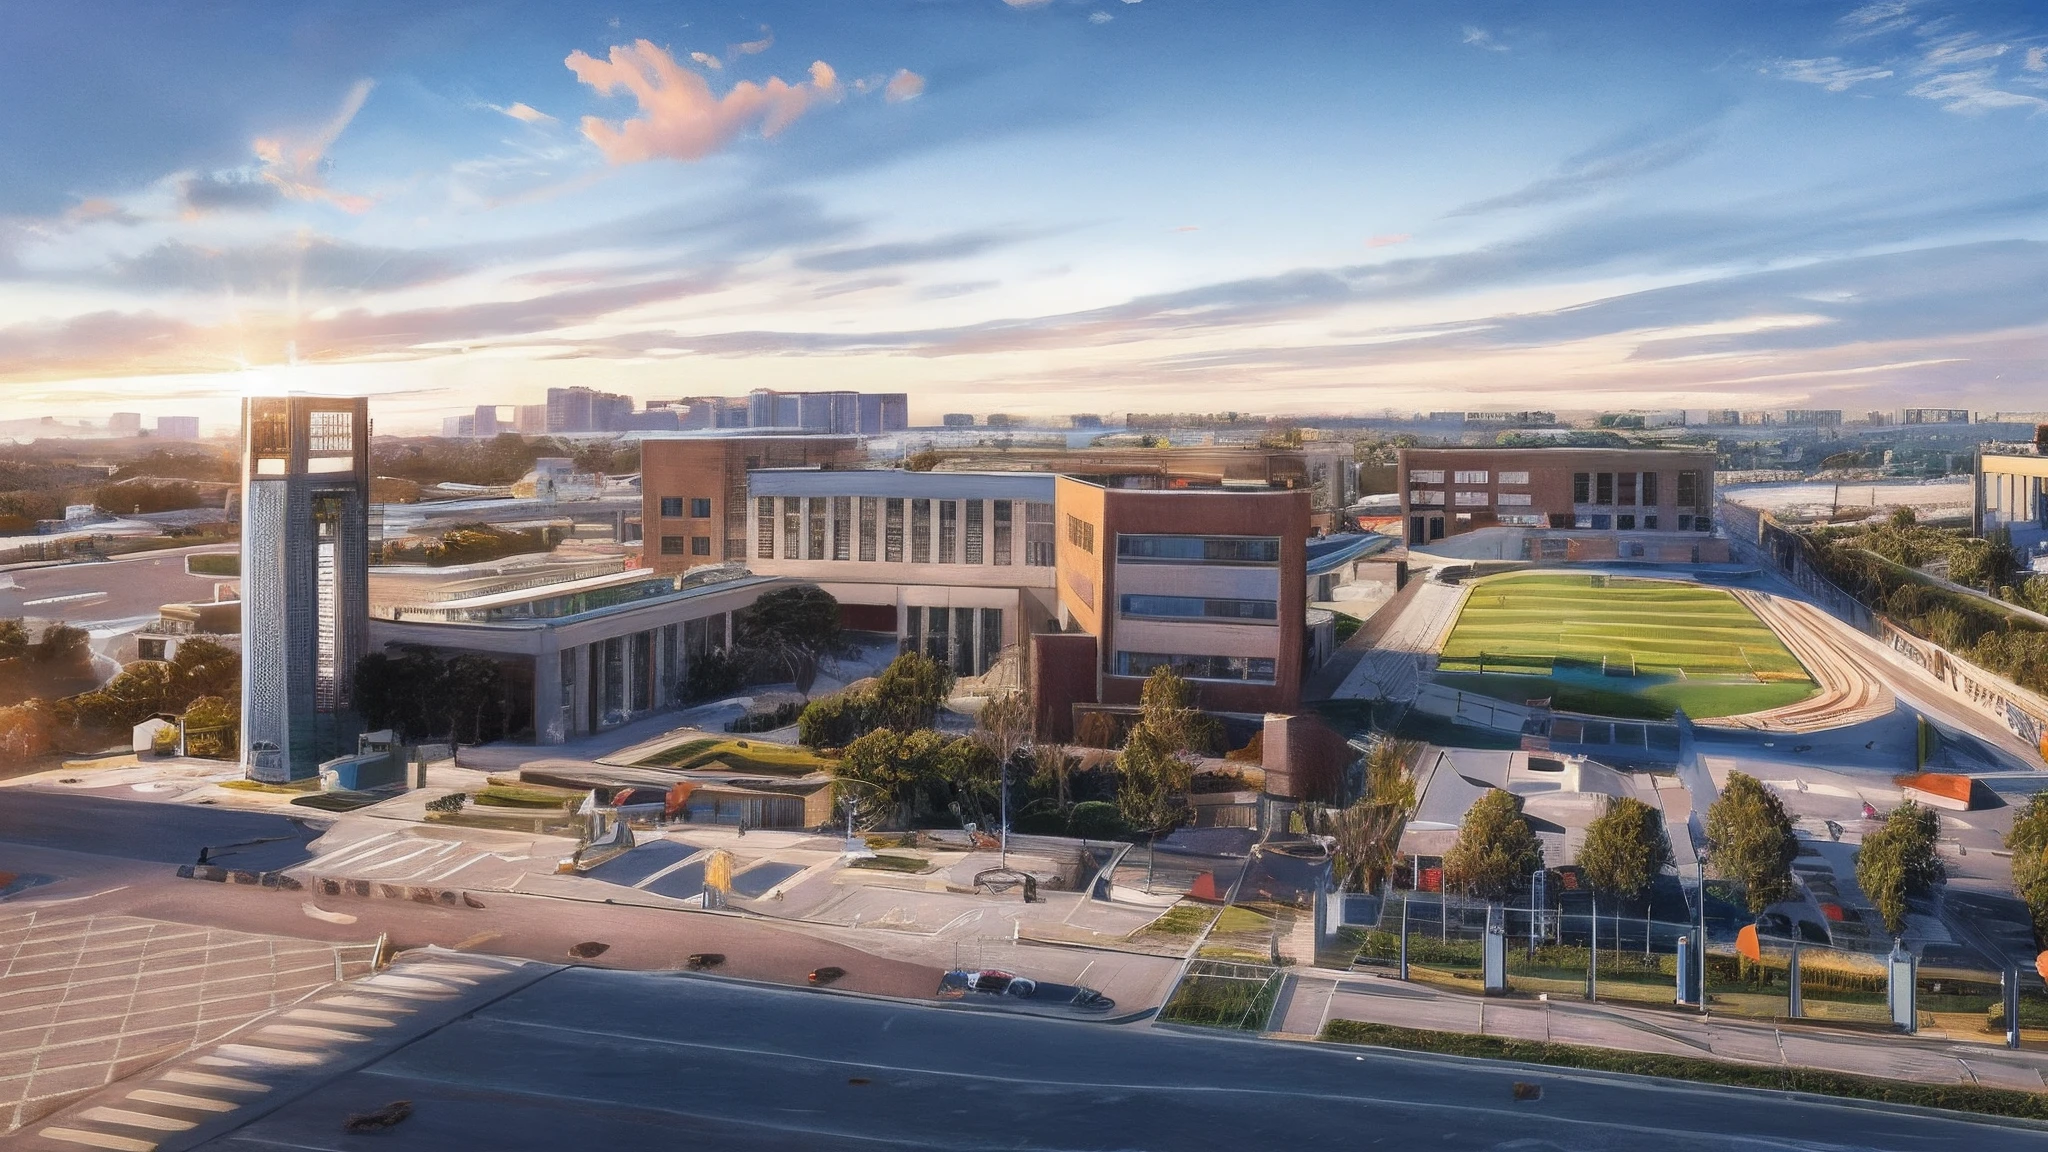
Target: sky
{"x": 1041, "y": 207}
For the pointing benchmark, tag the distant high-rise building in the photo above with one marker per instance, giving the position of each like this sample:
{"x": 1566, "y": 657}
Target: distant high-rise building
{"x": 957, "y": 420}
{"x": 177, "y": 427}
{"x": 1085, "y": 420}
{"x": 458, "y": 427}
{"x": 125, "y": 423}
{"x": 485, "y": 422}
{"x": 1724, "y": 417}
{"x": 1934, "y": 415}
{"x": 1813, "y": 417}
{"x": 532, "y": 419}
{"x": 1877, "y": 419}
{"x": 883, "y": 412}
{"x": 305, "y": 579}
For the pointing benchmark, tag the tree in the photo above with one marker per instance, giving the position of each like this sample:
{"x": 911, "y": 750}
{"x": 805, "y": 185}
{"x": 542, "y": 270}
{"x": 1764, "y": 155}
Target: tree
{"x": 1496, "y": 850}
{"x": 2029, "y": 843}
{"x": 1153, "y": 778}
{"x": 837, "y": 720}
{"x": 1052, "y": 766}
{"x": 792, "y": 628}
{"x": 419, "y": 696}
{"x": 922, "y": 772}
{"x": 1897, "y": 863}
{"x": 1751, "y": 841}
{"x": 202, "y": 667}
{"x": 1004, "y": 723}
{"x": 1625, "y": 849}
{"x": 910, "y": 690}
{"x": 1368, "y": 833}
{"x": 1167, "y": 707}
{"x": 472, "y": 695}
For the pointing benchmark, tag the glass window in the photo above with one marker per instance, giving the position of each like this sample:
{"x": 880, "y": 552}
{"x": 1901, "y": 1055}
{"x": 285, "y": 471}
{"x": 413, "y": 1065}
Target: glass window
{"x": 1685, "y": 521}
{"x": 1425, "y": 476}
{"x": 892, "y": 530}
{"x": 991, "y": 639}
{"x": 869, "y": 509}
{"x": 1602, "y": 521}
{"x": 937, "y": 633}
{"x": 1427, "y": 497}
{"x": 1000, "y": 553}
{"x": 949, "y": 531}
{"x": 1603, "y": 488}
{"x": 1688, "y": 490}
{"x": 700, "y": 508}
{"x": 1253, "y": 668}
{"x": 1625, "y": 522}
{"x": 971, "y": 546}
{"x": 1513, "y": 499}
{"x": 815, "y": 515}
{"x": 1471, "y": 500}
{"x": 1081, "y": 534}
{"x": 1469, "y": 478}
{"x": 920, "y": 531}
{"x": 270, "y": 434}
{"x": 1038, "y": 546}
{"x": 1200, "y": 549}
{"x": 333, "y": 432}
{"x": 842, "y": 527}
{"x": 764, "y": 527}
{"x": 1626, "y": 493}
{"x": 792, "y": 527}
{"x": 671, "y": 545}
{"x": 699, "y": 546}
{"x": 1582, "y": 487}
{"x": 1649, "y": 488}
{"x": 1650, "y": 521}
{"x": 1197, "y": 607}
{"x": 1514, "y": 478}
{"x": 671, "y": 506}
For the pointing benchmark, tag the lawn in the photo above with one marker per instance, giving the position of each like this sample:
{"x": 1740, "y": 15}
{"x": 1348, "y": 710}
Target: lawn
{"x": 1619, "y": 646}
{"x": 739, "y": 756}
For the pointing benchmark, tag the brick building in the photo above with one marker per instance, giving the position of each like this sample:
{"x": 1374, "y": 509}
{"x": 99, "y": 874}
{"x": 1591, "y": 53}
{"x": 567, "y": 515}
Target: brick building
{"x": 693, "y": 489}
{"x": 1563, "y": 503}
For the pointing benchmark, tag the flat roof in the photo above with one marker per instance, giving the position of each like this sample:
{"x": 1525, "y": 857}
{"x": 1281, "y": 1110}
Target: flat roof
{"x": 896, "y": 483}
{"x": 746, "y": 434}
{"x": 1332, "y": 551}
{"x": 1632, "y": 450}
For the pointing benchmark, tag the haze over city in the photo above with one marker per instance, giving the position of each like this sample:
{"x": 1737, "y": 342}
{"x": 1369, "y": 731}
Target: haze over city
{"x": 1309, "y": 207}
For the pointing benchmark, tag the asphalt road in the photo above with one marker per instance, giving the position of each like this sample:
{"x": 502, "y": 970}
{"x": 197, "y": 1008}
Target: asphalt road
{"x": 164, "y": 833}
{"x": 120, "y": 589}
{"x": 589, "y": 1059}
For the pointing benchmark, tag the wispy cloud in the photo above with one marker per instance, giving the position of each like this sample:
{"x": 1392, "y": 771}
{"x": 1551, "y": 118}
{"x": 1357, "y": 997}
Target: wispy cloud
{"x": 756, "y": 47}
{"x": 1958, "y": 69}
{"x": 680, "y": 118}
{"x": 904, "y": 252}
{"x": 1616, "y": 161}
{"x": 1830, "y": 72}
{"x": 226, "y": 192}
{"x": 1877, "y": 19}
{"x": 1476, "y": 37}
{"x": 1386, "y": 239}
{"x": 904, "y": 85}
{"x": 707, "y": 60}
{"x": 525, "y": 113}
{"x": 296, "y": 166}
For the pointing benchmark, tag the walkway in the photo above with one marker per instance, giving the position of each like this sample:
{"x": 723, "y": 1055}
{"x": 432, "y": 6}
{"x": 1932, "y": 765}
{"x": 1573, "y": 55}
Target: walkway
{"x": 1394, "y": 668}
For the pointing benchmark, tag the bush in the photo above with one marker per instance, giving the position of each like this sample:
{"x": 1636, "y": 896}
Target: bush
{"x": 452, "y": 802}
{"x": 1095, "y": 820}
{"x": 164, "y": 743}
{"x": 780, "y": 716}
{"x": 837, "y": 720}
{"x": 214, "y": 564}
{"x": 719, "y": 672}
{"x": 1898, "y": 863}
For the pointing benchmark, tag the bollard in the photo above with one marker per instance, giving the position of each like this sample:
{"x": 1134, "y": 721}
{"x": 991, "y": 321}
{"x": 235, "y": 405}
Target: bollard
{"x": 1593, "y": 953}
{"x": 2010, "y": 978}
{"x": 1793, "y": 1007}
{"x": 1404, "y": 939}
{"x": 1903, "y": 989}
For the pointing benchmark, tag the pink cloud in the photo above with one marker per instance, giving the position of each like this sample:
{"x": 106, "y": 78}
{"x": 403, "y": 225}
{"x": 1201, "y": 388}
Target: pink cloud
{"x": 526, "y": 112}
{"x": 1386, "y": 240}
{"x": 679, "y": 117}
{"x": 294, "y": 165}
{"x": 904, "y": 85}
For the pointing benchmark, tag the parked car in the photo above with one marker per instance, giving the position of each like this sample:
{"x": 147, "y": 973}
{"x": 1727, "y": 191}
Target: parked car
{"x": 958, "y": 984}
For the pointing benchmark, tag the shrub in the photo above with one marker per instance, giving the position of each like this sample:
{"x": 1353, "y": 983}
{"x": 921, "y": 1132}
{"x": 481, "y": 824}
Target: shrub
{"x": 1095, "y": 820}
{"x": 214, "y": 564}
{"x": 164, "y": 743}
{"x": 719, "y": 672}
{"x": 780, "y": 716}
{"x": 837, "y": 720}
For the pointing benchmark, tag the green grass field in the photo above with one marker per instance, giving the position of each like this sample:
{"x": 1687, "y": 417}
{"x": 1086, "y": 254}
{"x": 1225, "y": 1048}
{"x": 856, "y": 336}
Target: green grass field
{"x": 740, "y": 756}
{"x": 1619, "y": 646}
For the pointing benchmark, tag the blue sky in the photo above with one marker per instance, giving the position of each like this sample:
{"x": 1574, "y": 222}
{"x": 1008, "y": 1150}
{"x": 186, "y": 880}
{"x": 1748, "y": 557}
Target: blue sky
{"x": 1048, "y": 207}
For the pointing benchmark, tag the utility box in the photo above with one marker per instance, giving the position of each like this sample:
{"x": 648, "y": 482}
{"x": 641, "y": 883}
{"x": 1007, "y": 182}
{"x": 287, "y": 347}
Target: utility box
{"x": 1494, "y": 960}
{"x": 1902, "y": 989}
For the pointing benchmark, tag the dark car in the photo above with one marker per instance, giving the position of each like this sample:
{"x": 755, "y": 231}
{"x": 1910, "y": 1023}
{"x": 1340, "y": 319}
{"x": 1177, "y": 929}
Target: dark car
{"x": 956, "y": 985}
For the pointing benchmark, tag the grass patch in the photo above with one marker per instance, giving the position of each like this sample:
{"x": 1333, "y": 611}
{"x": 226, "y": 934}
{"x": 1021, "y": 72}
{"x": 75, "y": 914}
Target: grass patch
{"x": 1619, "y": 646}
{"x": 518, "y": 796}
{"x": 740, "y": 756}
{"x": 1238, "y": 997}
{"x": 909, "y": 864}
{"x": 296, "y": 787}
{"x": 1954, "y": 1097}
{"x": 1182, "y": 920}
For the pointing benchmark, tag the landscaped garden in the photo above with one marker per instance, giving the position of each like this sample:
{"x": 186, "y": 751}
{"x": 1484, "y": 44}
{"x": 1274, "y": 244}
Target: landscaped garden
{"x": 1619, "y": 646}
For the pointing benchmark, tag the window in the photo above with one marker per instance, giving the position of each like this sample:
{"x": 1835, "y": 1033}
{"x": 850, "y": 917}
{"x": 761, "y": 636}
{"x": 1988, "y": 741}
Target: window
{"x": 1436, "y": 527}
{"x": 1513, "y": 478}
{"x": 764, "y": 527}
{"x": 1426, "y": 496}
{"x": 971, "y": 547}
{"x": 1650, "y": 520}
{"x": 1038, "y": 534}
{"x": 1626, "y": 522}
{"x": 1703, "y": 523}
{"x": 815, "y": 515}
{"x": 842, "y": 527}
{"x": 700, "y": 545}
{"x": 1200, "y": 549}
{"x": 920, "y": 531}
{"x": 1523, "y": 519}
{"x": 671, "y": 506}
{"x": 1688, "y": 490}
{"x": 1471, "y": 500}
{"x": 1425, "y": 475}
{"x": 1199, "y": 608}
{"x": 1603, "y": 488}
{"x": 1512, "y": 499}
{"x": 1602, "y": 521}
{"x": 949, "y": 531}
{"x": 1627, "y": 491}
{"x": 1685, "y": 521}
{"x": 869, "y": 509}
{"x": 1582, "y": 520}
{"x": 1000, "y": 553}
{"x": 792, "y": 528}
{"x": 1081, "y": 534}
{"x": 1469, "y": 477}
{"x": 892, "y": 530}
{"x": 270, "y": 434}
{"x": 671, "y": 545}
{"x": 333, "y": 432}
{"x": 1255, "y": 668}
{"x": 700, "y": 508}
{"x": 1649, "y": 495}
{"x": 1582, "y": 487}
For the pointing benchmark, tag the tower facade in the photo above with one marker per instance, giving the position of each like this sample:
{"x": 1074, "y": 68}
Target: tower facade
{"x": 305, "y": 579}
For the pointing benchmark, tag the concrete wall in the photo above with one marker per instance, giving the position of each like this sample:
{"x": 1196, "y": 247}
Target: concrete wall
{"x": 1304, "y": 758}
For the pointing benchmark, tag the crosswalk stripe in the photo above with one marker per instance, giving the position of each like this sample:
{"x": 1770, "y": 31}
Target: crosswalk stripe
{"x": 352, "y": 1019}
{"x": 129, "y": 1119}
{"x": 181, "y": 1100}
{"x": 258, "y": 1054}
{"x": 308, "y": 1032}
{"x": 209, "y": 1080}
{"x": 93, "y": 1139}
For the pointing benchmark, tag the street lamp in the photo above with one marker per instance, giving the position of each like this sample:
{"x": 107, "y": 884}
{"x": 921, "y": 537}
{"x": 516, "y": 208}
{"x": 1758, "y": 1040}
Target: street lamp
{"x": 852, "y": 807}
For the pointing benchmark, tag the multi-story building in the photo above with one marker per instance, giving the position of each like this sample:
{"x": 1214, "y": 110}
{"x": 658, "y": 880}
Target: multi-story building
{"x": 177, "y": 427}
{"x": 1325, "y": 468}
{"x": 957, "y": 420}
{"x": 305, "y": 594}
{"x": 958, "y": 565}
{"x": 1813, "y": 417}
{"x": 1934, "y": 415}
{"x": 2011, "y": 492}
{"x": 531, "y": 419}
{"x": 1564, "y": 503}
{"x": 883, "y": 412}
{"x": 579, "y": 409}
{"x": 125, "y": 423}
{"x": 693, "y": 489}
{"x": 1209, "y": 581}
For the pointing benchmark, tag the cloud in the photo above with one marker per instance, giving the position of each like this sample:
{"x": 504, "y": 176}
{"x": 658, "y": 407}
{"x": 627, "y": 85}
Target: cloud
{"x": 891, "y": 255}
{"x": 295, "y": 166}
{"x": 1480, "y": 38}
{"x": 1638, "y": 153}
{"x": 228, "y": 192}
{"x": 1975, "y": 90}
{"x": 1100, "y": 17}
{"x": 98, "y": 210}
{"x": 1877, "y": 19}
{"x": 276, "y": 267}
{"x": 904, "y": 85}
{"x": 526, "y": 113}
{"x": 2037, "y": 60}
{"x": 1828, "y": 71}
{"x": 1386, "y": 240}
{"x": 679, "y": 117}
{"x": 707, "y": 60}
{"x": 756, "y": 47}
{"x": 1026, "y": 3}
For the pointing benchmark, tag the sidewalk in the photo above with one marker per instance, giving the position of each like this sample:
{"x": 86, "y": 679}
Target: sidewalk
{"x": 1314, "y": 997}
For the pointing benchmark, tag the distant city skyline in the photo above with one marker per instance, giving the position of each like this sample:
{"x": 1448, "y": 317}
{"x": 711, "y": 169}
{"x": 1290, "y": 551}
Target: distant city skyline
{"x": 1026, "y": 207}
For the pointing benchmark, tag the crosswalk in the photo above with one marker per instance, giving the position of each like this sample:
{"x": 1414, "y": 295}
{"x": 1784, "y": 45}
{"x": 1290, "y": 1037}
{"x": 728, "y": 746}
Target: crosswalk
{"x": 400, "y": 857}
{"x": 213, "y": 1084}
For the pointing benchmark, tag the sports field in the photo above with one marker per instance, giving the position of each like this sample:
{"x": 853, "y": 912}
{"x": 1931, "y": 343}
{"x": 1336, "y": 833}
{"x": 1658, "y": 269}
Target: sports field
{"x": 1619, "y": 646}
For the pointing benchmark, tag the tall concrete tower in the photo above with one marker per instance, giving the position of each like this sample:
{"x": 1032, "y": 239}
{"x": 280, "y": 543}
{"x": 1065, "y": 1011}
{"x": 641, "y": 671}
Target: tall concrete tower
{"x": 305, "y": 579}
